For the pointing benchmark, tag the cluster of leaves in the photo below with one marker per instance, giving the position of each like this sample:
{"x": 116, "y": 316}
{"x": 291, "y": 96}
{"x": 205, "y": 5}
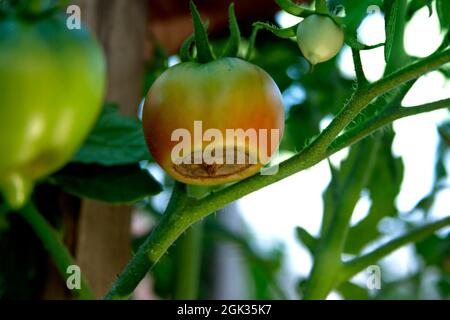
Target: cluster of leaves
{"x": 108, "y": 167}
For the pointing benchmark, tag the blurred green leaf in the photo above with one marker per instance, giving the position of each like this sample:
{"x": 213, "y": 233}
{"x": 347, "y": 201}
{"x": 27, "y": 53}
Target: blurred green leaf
{"x": 307, "y": 239}
{"x": 443, "y": 11}
{"x": 443, "y": 285}
{"x": 391, "y": 8}
{"x": 275, "y": 56}
{"x": 348, "y": 182}
{"x": 351, "y": 291}
{"x": 383, "y": 187}
{"x": 115, "y": 140}
{"x": 434, "y": 249}
{"x": 416, "y": 5}
{"x": 356, "y": 11}
{"x": 116, "y": 185}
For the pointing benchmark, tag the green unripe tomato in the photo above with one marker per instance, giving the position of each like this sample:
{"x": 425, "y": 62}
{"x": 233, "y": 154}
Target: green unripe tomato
{"x": 319, "y": 38}
{"x": 52, "y": 83}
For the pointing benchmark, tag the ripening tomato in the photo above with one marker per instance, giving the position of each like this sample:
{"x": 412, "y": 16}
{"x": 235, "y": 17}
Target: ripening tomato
{"x": 213, "y": 123}
{"x": 52, "y": 83}
{"x": 319, "y": 38}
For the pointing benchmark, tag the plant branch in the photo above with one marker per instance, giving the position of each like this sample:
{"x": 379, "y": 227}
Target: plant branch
{"x": 172, "y": 224}
{"x": 55, "y": 247}
{"x": 364, "y": 129}
{"x": 188, "y": 263}
{"x": 360, "y": 76}
{"x": 356, "y": 265}
{"x": 183, "y": 212}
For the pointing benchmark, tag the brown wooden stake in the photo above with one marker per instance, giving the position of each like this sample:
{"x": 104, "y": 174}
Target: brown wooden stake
{"x": 103, "y": 235}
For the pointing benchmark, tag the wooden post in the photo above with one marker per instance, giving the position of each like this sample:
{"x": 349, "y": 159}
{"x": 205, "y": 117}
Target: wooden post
{"x": 103, "y": 235}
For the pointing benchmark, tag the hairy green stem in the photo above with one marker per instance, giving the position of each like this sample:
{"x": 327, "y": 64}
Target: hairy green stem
{"x": 183, "y": 211}
{"x": 188, "y": 263}
{"x": 360, "y": 76}
{"x": 54, "y": 246}
{"x": 379, "y": 121}
{"x": 172, "y": 224}
{"x": 356, "y": 265}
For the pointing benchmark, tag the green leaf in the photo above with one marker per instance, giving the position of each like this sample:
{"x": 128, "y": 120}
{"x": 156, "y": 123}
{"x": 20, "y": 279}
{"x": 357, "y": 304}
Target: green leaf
{"x": 356, "y": 11}
{"x": 416, "y": 5}
{"x": 292, "y": 8}
{"x": 115, "y": 140}
{"x": 383, "y": 187}
{"x": 116, "y": 185}
{"x": 346, "y": 186}
{"x": 351, "y": 291}
{"x": 443, "y": 11}
{"x": 391, "y": 8}
{"x": 307, "y": 239}
{"x": 434, "y": 250}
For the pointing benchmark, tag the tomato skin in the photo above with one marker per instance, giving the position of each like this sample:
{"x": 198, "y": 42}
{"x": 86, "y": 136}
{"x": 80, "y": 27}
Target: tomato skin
{"x": 319, "y": 38}
{"x": 52, "y": 82}
{"x": 228, "y": 93}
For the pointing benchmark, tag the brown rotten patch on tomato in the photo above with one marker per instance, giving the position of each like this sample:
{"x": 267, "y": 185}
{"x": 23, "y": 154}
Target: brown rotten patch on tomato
{"x": 233, "y": 162}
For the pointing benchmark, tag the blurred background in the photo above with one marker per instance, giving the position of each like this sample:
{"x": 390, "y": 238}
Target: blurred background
{"x": 260, "y": 247}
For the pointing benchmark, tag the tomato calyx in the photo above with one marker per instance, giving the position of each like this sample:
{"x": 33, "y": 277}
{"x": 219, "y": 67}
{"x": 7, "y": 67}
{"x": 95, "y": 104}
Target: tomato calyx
{"x": 204, "y": 52}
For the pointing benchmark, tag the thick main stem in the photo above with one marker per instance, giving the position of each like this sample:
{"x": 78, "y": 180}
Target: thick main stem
{"x": 173, "y": 223}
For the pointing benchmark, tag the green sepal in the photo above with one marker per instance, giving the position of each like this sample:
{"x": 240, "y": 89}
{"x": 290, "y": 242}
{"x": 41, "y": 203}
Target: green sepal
{"x": 232, "y": 47}
{"x": 204, "y": 51}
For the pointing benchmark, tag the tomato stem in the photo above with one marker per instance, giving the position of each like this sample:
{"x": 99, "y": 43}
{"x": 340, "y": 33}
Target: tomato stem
{"x": 360, "y": 76}
{"x": 55, "y": 247}
{"x": 188, "y": 263}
